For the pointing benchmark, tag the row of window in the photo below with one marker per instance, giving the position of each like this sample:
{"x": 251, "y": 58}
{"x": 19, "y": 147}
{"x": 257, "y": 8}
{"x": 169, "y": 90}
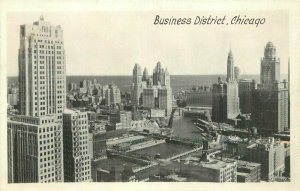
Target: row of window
{"x": 49, "y": 42}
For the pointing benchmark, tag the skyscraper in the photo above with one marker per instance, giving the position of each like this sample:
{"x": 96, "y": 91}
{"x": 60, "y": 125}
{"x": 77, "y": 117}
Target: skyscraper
{"x": 270, "y": 154}
{"x": 77, "y": 164}
{"x": 159, "y": 94}
{"x": 35, "y": 150}
{"x": 237, "y": 73}
{"x": 225, "y": 96}
{"x": 270, "y": 66}
{"x": 270, "y": 100}
{"x": 158, "y": 75}
{"x": 137, "y": 85}
{"x": 246, "y": 88}
{"x": 145, "y": 75}
{"x": 165, "y": 100}
{"x": 35, "y": 137}
{"x": 233, "y": 107}
{"x": 113, "y": 95}
{"x": 42, "y": 77}
{"x": 219, "y": 101}
{"x": 230, "y": 67}
{"x": 167, "y": 80}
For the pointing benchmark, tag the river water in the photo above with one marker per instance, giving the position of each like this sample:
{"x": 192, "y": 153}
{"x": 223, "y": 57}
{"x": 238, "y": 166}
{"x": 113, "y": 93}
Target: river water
{"x": 184, "y": 127}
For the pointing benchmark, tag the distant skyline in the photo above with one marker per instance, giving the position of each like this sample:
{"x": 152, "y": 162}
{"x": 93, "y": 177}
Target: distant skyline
{"x": 108, "y": 43}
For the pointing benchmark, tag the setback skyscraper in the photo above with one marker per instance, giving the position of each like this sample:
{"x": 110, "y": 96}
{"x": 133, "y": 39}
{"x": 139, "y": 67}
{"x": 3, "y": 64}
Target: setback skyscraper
{"x": 270, "y": 100}
{"x": 136, "y": 85}
{"x": 270, "y": 66}
{"x": 42, "y": 77}
{"x": 233, "y": 107}
{"x": 35, "y": 137}
{"x": 225, "y": 95}
{"x": 158, "y": 95}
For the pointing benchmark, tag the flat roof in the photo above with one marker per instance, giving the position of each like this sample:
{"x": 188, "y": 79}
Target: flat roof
{"x": 246, "y": 164}
{"x": 212, "y": 163}
{"x": 125, "y": 139}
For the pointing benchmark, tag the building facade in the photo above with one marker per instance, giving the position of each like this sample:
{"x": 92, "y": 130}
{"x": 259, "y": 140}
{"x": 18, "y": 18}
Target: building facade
{"x": 42, "y": 77}
{"x": 35, "y": 149}
{"x": 233, "y": 107}
{"x": 270, "y": 99}
{"x": 209, "y": 170}
{"x": 219, "y": 101}
{"x": 77, "y": 163}
{"x": 246, "y": 89}
{"x": 137, "y": 90}
{"x": 35, "y": 137}
{"x": 248, "y": 171}
{"x": 200, "y": 97}
{"x": 114, "y": 94}
{"x": 156, "y": 94}
{"x": 225, "y": 95}
{"x": 270, "y": 154}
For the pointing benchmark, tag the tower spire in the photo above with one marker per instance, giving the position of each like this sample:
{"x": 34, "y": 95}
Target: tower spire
{"x": 230, "y": 67}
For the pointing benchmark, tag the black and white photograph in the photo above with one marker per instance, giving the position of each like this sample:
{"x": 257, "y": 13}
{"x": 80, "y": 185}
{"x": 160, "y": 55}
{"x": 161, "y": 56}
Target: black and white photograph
{"x": 157, "y": 96}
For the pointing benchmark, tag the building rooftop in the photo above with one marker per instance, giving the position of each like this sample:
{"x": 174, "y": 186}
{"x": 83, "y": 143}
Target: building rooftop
{"x": 125, "y": 139}
{"x": 246, "y": 164}
{"x": 71, "y": 111}
{"x": 265, "y": 143}
{"x": 212, "y": 163}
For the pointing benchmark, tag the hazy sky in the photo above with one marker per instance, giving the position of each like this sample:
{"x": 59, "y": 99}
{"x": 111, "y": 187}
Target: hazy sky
{"x": 110, "y": 43}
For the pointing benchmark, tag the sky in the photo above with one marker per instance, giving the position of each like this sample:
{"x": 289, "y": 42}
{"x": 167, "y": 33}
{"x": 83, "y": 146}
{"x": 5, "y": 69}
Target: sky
{"x": 110, "y": 43}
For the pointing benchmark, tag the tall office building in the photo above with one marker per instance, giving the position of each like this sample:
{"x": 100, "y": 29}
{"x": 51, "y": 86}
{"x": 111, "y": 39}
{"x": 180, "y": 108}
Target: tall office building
{"x": 136, "y": 85}
{"x": 35, "y": 150}
{"x": 158, "y": 95}
{"x": 219, "y": 101}
{"x": 270, "y": 66}
{"x": 125, "y": 118}
{"x": 165, "y": 100}
{"x": 158, "y": 75}
{"x": 270, "y": 99}
{"x": 150, "y": 97}
{"x": 153, "y": 92}
{"x": 246, "y": 89}
{"x": 77, "y": 164}
{"x": 270, "y": 154}
{"x": 230, "y": 67}
{"x": 167, "y": 80}
{"x": 233, "y": 107}
{"x": 237, "y": 73}
{"x": 42, "y": 77}
{"x": 225, "y": 96}
{"x": 145, "y": 75}
{"x": 108, "y": 97}
{"x": 35, "y": 137}
{"x": 114, "y": 93}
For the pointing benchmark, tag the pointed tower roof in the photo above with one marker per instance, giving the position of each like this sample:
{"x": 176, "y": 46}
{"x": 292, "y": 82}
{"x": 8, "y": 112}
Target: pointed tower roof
{"x": 230, "y": 53}
{"x": 166, "y": 70}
